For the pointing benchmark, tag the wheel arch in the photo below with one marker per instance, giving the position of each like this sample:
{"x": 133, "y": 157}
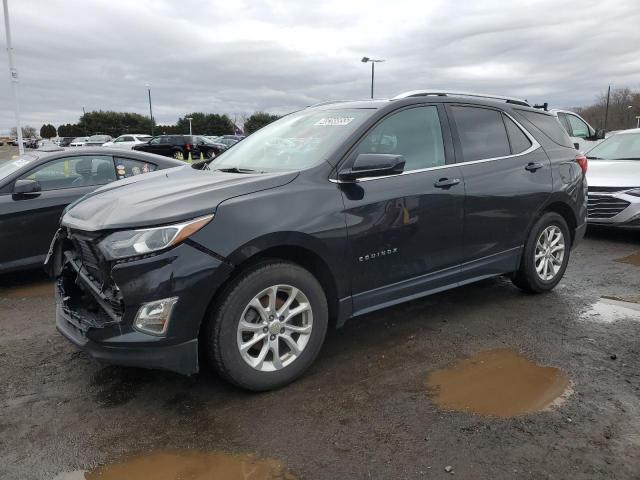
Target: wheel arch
{"x": 301, "y": 249}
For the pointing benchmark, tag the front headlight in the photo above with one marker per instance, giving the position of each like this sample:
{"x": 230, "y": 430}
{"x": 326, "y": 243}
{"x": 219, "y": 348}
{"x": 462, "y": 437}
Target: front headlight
{"x": 131, "y": 243}
{"x": 635, "y": 192}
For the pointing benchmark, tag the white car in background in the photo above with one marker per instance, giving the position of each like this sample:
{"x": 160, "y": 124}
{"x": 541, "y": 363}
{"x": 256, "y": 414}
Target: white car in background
{"x": 128, "y": 140}
{"x": 583, "y": 135}
{"x": 79, "y": 142}
{"x": 614, "y": 180}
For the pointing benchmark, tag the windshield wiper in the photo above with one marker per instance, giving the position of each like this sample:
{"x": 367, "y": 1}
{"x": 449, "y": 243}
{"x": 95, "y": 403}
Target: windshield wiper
{"x": 594, "y": 158}
{"x": 626, "y": 158}
{"x": 236, "y": 170}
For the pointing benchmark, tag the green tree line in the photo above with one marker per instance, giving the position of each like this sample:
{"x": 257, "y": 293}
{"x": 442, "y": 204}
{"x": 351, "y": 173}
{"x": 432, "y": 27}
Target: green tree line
{"x": 118, "y": 123}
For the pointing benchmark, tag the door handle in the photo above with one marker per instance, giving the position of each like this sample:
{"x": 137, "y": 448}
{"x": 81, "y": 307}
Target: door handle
{"x": 446, "y": 183}
{"x": 533, "y": 166}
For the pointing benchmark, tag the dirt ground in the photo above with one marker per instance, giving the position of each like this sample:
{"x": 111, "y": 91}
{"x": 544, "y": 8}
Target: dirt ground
{"x": 364, "y": 410}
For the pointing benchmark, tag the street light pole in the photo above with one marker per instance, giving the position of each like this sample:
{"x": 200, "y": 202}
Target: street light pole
{"x": 373, "y": 69}
{"x": 13, "y": 72}
{"x": 148, "y": 85}
{"x": 189, "y": 118}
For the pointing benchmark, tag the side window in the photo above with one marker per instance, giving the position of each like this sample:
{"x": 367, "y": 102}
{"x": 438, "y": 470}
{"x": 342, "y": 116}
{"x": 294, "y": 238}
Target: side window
{"x": 125, "y": 167}
{"x": 127, "y": 139}
{"x": 155, "y": 141}
{"x": 119, "y": 139}
{"x": 579, "y": 128}
{"x": 518, "y": 140}
{"x": 166, "y": 141}
{"x": 482, "y": 133}
{"x": 72, "y": 172}
{"x": 414, "y": 133}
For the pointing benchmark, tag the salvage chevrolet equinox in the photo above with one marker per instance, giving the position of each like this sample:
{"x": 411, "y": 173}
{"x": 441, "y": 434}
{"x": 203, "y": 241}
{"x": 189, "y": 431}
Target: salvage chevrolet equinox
{"x": 331, "y": 212}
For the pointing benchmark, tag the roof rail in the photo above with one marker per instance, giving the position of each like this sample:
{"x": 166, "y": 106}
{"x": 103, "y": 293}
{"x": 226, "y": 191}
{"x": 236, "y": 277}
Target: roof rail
{"x": 446, "y": 93}
{"x": 328, "y": 102}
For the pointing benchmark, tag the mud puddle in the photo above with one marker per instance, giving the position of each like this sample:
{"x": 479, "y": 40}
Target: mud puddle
{"x": 610, "y": 309}
{"x": 176, "y": 465}
{"x": 633, "y": 259}
{"x": 498, "y": 383}
{"x": 40, "y": 289}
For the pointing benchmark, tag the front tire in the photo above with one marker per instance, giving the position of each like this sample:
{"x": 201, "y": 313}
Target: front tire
{"x": 268, "y": 327}
{"x": 545, "y": 256}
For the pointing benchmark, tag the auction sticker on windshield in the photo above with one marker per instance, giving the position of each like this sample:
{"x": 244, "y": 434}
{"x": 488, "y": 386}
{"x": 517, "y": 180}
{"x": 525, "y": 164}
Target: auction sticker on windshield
{"x": 334, "y": 121}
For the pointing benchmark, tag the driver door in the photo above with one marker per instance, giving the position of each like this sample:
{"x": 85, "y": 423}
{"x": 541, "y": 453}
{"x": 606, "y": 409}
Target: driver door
{"x": 405, "y": 231}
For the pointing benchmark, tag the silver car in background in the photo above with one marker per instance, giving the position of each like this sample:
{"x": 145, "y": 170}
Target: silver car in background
{"x": 583, "y": 135}
{"x": 614, "y": 180}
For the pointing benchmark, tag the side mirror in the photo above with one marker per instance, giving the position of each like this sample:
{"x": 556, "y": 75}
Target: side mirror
{"x": 25, "y": 186}
{"x": 600, "y": 133}
{"x": 576, "y": 146}
{"x": 373, "y": 165}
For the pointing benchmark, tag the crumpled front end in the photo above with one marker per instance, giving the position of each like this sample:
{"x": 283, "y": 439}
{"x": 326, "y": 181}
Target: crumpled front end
{"x": 98, "y": 301}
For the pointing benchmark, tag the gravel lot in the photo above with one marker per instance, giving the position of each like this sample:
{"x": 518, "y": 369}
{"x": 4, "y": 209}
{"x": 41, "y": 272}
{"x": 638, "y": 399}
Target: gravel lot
{"x": 363, "y": 411}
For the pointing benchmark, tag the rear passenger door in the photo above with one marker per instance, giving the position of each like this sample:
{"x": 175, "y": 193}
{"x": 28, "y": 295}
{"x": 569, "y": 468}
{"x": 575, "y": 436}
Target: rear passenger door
{"x": 507, "y": 179}
{"x": 405, "y": 231}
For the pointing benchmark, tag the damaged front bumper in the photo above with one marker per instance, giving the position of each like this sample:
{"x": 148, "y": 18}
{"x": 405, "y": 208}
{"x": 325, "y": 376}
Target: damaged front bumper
{"x": 97, "y": 301}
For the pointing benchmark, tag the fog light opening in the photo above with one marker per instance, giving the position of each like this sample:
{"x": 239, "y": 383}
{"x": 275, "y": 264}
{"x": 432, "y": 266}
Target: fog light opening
{"x": 153, "y": 317}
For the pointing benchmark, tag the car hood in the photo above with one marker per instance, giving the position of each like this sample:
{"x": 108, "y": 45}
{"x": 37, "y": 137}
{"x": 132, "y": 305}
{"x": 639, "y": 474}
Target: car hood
{"x": 164, "y": 197}
{"x": 614, "y": 173}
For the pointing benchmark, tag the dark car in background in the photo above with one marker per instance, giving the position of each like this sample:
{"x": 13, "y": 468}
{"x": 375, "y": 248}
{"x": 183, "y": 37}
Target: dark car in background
{"x": 65, "y": 141}
{"x": 328, "y": 213}
{"x": 181, "y": 146}
{"x": 35, "y": 188}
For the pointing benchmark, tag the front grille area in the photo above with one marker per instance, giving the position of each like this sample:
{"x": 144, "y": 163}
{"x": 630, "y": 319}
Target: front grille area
{"x": 89, "y": 295}
{"x": 605, "y": 206}
{"x": 90, "y": 256}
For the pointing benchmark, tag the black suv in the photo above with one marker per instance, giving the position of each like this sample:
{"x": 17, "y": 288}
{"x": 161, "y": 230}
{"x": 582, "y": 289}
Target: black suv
{"x": 328, "y": 213}
{"x": 181, "y": 146}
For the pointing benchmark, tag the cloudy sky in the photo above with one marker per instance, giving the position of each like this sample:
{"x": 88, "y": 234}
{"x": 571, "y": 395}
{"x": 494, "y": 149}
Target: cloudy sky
{"x": 240, "y": 56}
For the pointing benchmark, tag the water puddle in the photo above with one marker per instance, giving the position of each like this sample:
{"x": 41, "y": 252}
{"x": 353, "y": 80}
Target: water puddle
{"x": 181, "y": 465}
{"x": 633, "y": 259}
{"x": 610, "y": 309}
{"x": 40, "y": 289}
{"x": 498, "y": 383}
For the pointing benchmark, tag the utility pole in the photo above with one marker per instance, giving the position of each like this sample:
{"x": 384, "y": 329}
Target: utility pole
{"x": 13, "y": 72}
{"x": 606, "y": 110}
{"x": 148, "y": 85}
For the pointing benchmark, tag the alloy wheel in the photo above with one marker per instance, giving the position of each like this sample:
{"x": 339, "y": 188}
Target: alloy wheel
{"x": 549, "y": 252}
{"x": 274, "y": 328}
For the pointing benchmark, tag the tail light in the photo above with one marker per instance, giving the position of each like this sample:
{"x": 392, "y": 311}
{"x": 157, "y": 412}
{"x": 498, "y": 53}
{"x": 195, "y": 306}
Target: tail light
{"x": 187, "y": 147}
{"x": 583, "y": 162}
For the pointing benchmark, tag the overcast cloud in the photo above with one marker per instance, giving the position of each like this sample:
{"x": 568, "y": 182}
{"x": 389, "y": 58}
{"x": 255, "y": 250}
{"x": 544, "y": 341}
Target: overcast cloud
{"x": 240, "y": 56}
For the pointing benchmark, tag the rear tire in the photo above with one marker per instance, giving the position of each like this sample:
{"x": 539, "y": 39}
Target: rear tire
{"x": 545, "y": 256}
{"x": 260, "y": 308}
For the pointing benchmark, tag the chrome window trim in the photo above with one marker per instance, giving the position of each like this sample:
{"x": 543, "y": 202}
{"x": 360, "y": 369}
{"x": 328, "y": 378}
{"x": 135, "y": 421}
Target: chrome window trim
{"x": 534, "y": 146}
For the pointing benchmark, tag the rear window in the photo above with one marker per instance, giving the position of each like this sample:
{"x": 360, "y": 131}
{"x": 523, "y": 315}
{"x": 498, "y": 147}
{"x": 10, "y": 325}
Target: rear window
{"x": 549, "y": 125}
{"x": 482, "y": 133}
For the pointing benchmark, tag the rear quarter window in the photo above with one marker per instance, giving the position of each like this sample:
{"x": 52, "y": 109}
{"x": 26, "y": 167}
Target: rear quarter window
{"x": 549, "y": 125}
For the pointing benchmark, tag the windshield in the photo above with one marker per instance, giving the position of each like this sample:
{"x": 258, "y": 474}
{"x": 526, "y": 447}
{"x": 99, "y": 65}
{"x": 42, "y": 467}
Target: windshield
{"x": 623, "y": 146}
{"x": 294, "y": 142}
{"x": 9, "y": 166}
